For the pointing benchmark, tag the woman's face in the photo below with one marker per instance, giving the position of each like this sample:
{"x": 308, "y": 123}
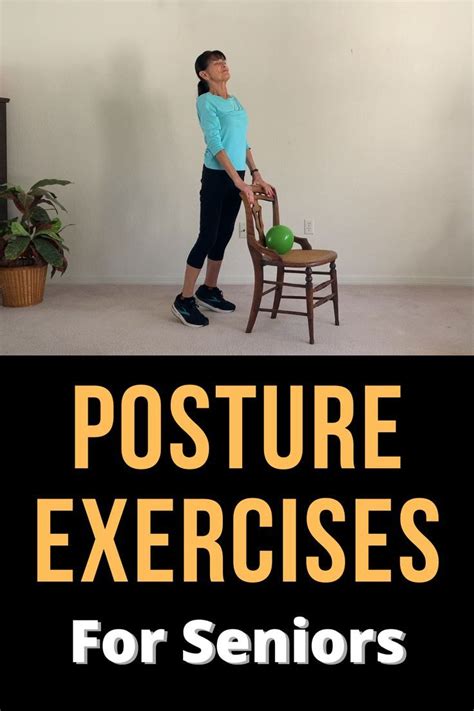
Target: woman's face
{"x": 217, "y": 70}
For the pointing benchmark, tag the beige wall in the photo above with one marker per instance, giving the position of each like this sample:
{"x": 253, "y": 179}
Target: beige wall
{"x": 360, "y": 114}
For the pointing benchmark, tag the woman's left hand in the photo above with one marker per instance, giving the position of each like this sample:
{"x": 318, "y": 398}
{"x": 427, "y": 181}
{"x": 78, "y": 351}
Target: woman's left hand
{"x": 267, "y": 188}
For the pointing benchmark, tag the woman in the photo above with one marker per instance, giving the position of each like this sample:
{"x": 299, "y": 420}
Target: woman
{"x": 224, "y": 122}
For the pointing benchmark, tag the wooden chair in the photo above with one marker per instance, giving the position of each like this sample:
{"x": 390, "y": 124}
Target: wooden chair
{"x": 296, "y": 261}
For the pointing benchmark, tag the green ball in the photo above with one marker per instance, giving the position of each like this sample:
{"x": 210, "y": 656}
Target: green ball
{"x": 280, "y": 238}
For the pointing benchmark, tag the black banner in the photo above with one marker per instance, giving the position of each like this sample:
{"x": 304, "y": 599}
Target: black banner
{"x": 203, "y": 531}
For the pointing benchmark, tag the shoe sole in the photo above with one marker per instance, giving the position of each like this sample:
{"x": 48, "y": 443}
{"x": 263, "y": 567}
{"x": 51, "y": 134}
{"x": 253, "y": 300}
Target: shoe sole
{"x": 181, "y": 318}
{"x": 204, "y": 305}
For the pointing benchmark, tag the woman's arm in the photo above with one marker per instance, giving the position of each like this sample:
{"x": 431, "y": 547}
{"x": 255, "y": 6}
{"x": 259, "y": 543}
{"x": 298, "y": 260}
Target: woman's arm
{"x": 226, "y": 163}
{"x": 256, "y": 175}
{"x": 250, "y": 161}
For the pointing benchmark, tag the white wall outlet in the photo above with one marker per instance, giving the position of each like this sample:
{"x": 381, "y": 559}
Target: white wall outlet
{"x": 309, "y": 226}
{"x": 242, "y": 230}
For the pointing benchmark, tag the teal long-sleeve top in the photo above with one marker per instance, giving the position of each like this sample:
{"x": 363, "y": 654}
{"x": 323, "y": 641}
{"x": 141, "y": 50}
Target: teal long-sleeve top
{"x": 224, "y": 124}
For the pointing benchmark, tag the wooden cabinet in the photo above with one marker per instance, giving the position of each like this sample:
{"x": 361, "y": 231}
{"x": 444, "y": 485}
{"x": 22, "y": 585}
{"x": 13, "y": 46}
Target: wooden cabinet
{"x": 3, "y": 153}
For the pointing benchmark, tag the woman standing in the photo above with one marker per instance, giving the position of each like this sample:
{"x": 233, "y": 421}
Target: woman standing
{"x": 224, "y": 123}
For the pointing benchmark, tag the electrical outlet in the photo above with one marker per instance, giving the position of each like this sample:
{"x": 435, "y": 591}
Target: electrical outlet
{"x": 242, "y": 230}
{"x": 309, "y": 226}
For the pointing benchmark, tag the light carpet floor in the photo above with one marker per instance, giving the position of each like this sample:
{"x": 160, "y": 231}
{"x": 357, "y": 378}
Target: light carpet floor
{"x": 136, "y": 320}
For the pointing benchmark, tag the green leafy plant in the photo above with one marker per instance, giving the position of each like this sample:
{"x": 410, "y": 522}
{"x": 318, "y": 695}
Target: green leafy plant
{"x": 35, "y": 236}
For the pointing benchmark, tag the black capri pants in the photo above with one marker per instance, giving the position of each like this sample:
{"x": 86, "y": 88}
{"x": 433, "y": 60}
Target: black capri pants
{"x": 220, "y": 205}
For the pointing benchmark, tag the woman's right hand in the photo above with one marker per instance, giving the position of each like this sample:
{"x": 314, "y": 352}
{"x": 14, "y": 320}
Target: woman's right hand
{"x": 247, "y": 190}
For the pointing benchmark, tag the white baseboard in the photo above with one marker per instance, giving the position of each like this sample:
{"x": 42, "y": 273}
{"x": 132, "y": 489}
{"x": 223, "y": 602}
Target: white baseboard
{"x": 247, "y": 279}
{"x": 391, "y": 280}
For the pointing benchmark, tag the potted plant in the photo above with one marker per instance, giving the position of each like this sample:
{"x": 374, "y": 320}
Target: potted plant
{"x": 29, "y": 242}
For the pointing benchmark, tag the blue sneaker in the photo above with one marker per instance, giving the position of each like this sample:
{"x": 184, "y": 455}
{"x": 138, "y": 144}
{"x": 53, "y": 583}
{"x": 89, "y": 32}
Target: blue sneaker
{"x": 212, "y": 298}
{"x": 186, "y": 311}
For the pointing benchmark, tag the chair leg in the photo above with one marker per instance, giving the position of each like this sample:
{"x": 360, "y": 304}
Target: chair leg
{"x": 278, "y": 291}
{"x": 335, "y": 296}
{"x": 257, "y": 296}
{"x": 310, "y": 303}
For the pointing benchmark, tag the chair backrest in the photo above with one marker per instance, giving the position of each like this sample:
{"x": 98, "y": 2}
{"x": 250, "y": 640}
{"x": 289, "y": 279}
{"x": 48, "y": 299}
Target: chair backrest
{"x": 254, "y": 217}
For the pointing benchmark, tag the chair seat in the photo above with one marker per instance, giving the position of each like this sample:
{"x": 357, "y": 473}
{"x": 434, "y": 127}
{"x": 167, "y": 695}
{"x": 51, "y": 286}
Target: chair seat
{"x": 308, "y": 257}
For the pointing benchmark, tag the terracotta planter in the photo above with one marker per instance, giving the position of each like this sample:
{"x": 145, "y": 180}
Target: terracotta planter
{"x": 22, "y": 286}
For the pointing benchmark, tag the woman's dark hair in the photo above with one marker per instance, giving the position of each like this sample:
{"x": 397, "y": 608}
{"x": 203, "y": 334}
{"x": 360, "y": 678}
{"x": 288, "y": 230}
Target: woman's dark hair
{"x": 201, "y": 65}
